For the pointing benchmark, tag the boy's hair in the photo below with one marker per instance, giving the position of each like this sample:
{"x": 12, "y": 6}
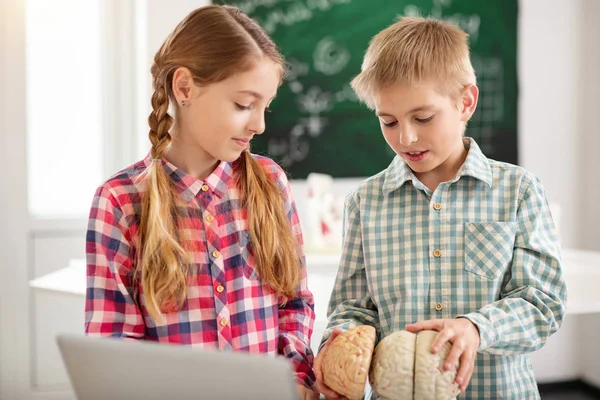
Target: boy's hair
{"x": 214, "y": 43}
{"x": 412, "y": 51}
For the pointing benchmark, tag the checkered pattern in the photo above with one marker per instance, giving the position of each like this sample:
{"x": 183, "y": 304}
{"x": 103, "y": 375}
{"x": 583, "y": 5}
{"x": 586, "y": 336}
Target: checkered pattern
{"x": 245, "y": 316}
{"x": 482, "y": 245}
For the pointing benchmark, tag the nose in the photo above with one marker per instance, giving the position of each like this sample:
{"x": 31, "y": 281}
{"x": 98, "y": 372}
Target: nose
{"x": 256, "y": 124}
{"x": 408, "y": 136}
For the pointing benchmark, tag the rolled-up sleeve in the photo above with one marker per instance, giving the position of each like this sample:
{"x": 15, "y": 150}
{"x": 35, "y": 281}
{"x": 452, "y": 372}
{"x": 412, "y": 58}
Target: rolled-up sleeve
{"x": 110, "y": 309}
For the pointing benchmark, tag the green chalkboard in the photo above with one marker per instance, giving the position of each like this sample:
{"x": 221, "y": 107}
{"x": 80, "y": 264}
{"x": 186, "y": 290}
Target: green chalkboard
{"x": 317, "y": 125}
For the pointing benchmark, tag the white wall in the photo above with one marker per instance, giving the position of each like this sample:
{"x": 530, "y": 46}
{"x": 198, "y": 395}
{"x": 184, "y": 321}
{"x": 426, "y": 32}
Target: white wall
{"x": 14, "y": 351}
{"x": 559, "y": 67}
{"x": 590, "y": 146}
{"x": 550, "y": 119}
{"x": 590, "y": 138}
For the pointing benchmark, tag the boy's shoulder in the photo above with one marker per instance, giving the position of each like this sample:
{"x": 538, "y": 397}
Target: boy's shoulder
{"x": 373, "y": 186}
{"x": 511, "y": 174}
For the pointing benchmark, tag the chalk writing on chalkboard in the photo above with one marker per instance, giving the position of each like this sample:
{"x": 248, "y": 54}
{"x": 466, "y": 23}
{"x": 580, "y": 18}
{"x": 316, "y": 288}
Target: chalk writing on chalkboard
{"x": 329, "y": 58}
{"x": 317, "y": 124}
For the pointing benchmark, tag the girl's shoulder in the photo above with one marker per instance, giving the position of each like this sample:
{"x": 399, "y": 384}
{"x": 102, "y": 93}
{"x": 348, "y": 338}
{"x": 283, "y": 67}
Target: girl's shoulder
{"x": 271, "y": 168}
{"x": 124, "y": 184}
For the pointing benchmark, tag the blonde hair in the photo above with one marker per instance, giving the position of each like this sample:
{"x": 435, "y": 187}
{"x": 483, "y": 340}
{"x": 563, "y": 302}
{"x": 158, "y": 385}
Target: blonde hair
{"x": 414, "y": 50}
{"x": 213, "y": 42}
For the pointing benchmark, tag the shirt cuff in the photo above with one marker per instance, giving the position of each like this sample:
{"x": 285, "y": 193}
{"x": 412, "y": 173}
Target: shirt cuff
{"x": 487, "y": 336}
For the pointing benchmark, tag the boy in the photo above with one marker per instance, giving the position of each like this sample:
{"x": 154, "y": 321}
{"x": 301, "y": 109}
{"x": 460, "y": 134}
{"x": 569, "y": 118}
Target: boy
{"x": 445, "y": 238}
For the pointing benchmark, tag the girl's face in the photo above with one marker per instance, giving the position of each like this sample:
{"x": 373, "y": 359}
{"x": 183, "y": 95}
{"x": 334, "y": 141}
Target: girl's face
{"x": 219, "y": 120}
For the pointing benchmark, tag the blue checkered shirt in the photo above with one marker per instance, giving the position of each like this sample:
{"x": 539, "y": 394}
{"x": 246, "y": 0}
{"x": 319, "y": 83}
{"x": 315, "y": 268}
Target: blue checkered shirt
{"x": 482, "y": 245}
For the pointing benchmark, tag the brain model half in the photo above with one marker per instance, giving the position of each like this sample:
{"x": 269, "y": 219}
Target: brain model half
{"x": 346, "y": 363}
{"x": 401, "y": 367}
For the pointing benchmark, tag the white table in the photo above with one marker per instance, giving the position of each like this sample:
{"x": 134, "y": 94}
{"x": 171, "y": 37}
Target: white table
{"x": 59, "y": 307}
{"x": 582, "y": 271}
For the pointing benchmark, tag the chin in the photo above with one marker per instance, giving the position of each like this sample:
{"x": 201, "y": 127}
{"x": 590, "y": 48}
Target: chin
{"x": 419, "y": 167}
{"x": 230, "y": 156}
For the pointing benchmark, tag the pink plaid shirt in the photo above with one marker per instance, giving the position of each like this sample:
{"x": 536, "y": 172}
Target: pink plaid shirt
{"x": 227, "y": 306}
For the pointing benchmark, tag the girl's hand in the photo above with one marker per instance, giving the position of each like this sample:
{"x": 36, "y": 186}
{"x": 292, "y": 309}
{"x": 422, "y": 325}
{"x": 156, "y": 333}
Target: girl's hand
{"x": 306, "y": 393}
{"x": 320, "y": 385}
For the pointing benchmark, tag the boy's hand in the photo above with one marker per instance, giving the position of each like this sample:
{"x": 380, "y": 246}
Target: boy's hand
{"x": 463, "y": 335}
{"x": 320, "y": 385}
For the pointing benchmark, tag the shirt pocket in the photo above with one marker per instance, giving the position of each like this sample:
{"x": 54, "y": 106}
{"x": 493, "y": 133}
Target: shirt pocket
{"x": 488, "y": 248}
{"x": 248, "y": 262}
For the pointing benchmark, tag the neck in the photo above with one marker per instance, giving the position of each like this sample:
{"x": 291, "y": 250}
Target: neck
{"x": 191, "y": 158}
{"x": 445, "y": 171}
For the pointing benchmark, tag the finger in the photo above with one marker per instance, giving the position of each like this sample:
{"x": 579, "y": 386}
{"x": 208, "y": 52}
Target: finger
{"x": 326, "y": 391}
{"x": 334, "y": 334}
{"x": 467, "y": 378}
{"x": 465, "y": 368}
{"x": 317, "y": 365}
{"x": 430, "y": 324}
{"x": 452, "y": 359}
{"x": 445, "y": 335}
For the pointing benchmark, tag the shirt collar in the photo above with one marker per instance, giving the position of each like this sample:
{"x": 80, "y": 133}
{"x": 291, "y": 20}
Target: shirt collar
{"x": 189, "y": 186}
{"x": 476, "y": 165}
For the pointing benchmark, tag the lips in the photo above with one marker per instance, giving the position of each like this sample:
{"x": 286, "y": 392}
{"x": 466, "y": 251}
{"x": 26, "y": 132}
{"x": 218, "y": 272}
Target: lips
{"x": 242, "y": 142}
{"x": 415, "y": 156}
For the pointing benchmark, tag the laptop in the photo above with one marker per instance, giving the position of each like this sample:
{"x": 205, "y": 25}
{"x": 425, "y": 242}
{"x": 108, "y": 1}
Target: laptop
{"x": 110, "y": 368}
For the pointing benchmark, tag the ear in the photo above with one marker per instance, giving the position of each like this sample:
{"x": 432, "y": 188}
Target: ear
{"x": 182, "y": 85}
{"x": 468, "y": 102}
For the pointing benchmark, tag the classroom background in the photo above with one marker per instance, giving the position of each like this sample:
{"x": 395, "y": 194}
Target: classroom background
{"x": 74, "y": 100}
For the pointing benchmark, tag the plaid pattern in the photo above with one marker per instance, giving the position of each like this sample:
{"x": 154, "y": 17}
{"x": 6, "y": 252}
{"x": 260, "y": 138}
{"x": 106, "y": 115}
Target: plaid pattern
{"x": 482, "y": 245}
{"x": 227, "y": 306}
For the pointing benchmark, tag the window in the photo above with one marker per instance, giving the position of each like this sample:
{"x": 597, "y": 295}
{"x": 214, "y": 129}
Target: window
{"x": 64, "y": 105}
{"x": 82, "y": 90}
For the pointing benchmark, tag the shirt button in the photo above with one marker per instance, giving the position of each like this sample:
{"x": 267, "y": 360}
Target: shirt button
{"x": 437, "y": 206}
{"x": 223, "y": 322}
{"x": 216, "y": 254}
{"x": 209, "y": 218}
{"x": 205, "y": 188}
{"x": 220, "y": 288}
{"x": 437, "y": 253}
{"x": 439, "y": 306}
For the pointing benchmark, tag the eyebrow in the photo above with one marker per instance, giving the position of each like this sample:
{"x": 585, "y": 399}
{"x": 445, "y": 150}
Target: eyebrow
{"x": 253, "y": 93}
{"x": 414, "y": 110}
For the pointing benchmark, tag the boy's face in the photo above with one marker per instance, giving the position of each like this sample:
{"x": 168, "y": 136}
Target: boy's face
{"x": 426, "y": 128}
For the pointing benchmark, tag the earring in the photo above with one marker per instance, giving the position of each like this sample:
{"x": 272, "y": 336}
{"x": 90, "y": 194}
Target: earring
{"x": 183, "y": 103}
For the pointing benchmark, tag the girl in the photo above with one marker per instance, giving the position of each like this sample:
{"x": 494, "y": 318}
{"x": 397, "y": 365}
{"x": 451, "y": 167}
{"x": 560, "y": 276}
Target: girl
{"x": 200, "y": 242}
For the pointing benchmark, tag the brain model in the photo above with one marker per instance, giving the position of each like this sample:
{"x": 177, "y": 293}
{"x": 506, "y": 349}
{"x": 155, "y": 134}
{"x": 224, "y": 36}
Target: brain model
{"x": 403, "y": 367}
{"x": 345, "y": 365}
